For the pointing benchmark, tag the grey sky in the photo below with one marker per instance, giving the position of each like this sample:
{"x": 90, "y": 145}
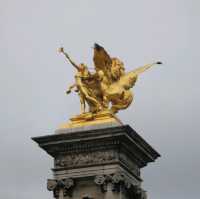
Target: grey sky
{"x": 34, "y": 76}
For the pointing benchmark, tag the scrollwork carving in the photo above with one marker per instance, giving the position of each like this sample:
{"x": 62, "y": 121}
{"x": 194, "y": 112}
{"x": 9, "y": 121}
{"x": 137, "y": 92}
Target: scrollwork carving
{"x": 65, "y": 184}
{"x": 117, "y": 180}
{"x": 100, "y": 179}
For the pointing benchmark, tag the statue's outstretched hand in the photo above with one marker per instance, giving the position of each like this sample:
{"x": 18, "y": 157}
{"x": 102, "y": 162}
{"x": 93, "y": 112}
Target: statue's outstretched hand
{"x": 61, "y": 50}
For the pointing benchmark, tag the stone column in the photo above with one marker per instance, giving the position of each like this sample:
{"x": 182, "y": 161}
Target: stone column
{"x": 113, "y": 186}
{"x": 102, "y": 163}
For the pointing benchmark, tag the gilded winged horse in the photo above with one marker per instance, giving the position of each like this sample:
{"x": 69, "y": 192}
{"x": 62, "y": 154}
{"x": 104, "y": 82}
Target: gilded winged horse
{"x": 109, "y": 87}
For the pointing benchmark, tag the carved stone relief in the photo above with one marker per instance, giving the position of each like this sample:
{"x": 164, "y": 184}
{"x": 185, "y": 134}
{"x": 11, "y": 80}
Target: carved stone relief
{"x": 88, "y": 158}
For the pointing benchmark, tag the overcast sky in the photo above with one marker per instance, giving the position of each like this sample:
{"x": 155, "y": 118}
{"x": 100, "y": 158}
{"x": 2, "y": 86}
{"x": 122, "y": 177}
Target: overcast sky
{"x": 166, "y": 109}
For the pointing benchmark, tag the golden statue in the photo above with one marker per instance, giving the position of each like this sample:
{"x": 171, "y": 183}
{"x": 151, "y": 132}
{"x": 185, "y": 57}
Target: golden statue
{"x": 106, "y": 91}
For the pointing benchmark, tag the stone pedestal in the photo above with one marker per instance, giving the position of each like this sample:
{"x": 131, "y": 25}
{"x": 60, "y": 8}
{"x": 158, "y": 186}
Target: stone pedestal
{"x": 101, "y": 163}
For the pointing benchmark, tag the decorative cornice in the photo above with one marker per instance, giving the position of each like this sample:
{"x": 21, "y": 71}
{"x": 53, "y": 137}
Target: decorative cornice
{"x": 123, "y": 137}
{"x": 82, "y": 146}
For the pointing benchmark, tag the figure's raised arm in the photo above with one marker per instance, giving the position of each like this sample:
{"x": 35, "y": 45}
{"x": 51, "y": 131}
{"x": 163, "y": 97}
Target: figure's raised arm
{"x": 70, "y": 88}
{"x": 61, "y": 50}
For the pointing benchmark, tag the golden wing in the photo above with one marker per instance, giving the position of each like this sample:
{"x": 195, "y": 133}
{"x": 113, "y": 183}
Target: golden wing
{"x": 142, "y": 69}
{"x": 101, "y": 58}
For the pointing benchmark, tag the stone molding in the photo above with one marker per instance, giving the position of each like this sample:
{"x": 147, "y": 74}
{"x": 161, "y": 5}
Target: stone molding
{"x": 84, "y": 146}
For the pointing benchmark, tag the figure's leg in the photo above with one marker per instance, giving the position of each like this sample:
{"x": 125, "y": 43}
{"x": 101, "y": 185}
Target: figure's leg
{"x": 82, "y": 101}
{"x": 91, "y": 99}
{"x": 105, "y": 102}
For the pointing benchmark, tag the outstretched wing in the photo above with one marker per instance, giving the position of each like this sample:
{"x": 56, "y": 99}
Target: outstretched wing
{"x": 102, "y": 60}
{"x": 142, "y": 69}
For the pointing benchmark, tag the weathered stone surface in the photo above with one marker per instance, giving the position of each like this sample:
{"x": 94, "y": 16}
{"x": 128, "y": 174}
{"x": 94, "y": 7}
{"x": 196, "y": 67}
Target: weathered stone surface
{"x": 100, "y": 162}
{"x": 88, "y": 128}
{"x": 84, "y": 159}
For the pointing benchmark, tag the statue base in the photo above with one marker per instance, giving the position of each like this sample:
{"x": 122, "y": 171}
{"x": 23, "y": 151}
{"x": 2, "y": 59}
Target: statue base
{"x": 101, "y": 163}
{"x": 92, "y": 120}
